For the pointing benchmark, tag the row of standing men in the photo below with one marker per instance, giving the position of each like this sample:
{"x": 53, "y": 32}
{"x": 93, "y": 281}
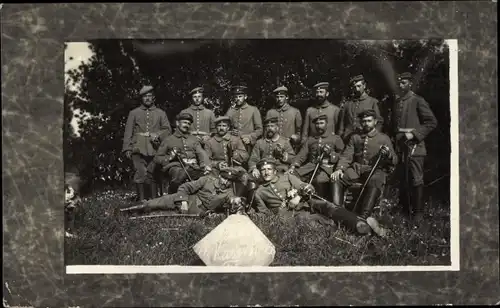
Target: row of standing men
{"x": 343, "y": 142}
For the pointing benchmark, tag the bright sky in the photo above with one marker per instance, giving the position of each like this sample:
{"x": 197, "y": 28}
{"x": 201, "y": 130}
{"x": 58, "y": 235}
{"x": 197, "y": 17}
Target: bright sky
{"x": 76, "y": 53}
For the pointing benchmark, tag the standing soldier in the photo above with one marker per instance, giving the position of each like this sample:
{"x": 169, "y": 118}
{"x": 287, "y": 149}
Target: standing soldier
{"x": 203, "y": 118}
{"x": 349, "y": 120}
{"x": 358, "y": 159}
{"x": 273, "y": 145}
{"x": 323, "y": 106}
{"x": 146, "y": 126}
{"x": 181, "y": 154}
{"x": 245, "y": 118}
{"x": 320, "y": 153}
{"x": 289, "y": 118}
{"x": 414, "y": 121}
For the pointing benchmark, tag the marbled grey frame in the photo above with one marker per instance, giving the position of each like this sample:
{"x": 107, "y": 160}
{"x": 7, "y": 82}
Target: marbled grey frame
{"x": 32, "y": 97}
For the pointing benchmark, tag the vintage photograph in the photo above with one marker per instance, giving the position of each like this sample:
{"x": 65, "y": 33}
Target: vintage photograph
{"x": 260, "y": 153}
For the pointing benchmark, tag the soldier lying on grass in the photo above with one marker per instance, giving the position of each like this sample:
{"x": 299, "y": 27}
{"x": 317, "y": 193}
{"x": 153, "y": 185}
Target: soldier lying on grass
{"x": 208, "y": 194}
{"x": 282, "y": 194}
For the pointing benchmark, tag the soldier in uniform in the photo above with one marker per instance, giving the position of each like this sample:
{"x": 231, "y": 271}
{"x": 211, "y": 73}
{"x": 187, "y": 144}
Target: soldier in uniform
{"x": 323, "y": 106}
{"x": 358, "y": 159}
{"x": 245, "y": 118}
{"x": 286, "y": 194}
{"x": 414, "y": 121}
{"x": 203, "y": 118}
{"x": 146, "y": 126}
{"x": 289, "y": 118}
{"x": 273, "y": 145}
{"x": 322, "y": 150}
{"x": 181, "y": 154}
{"x": 209, "y": 193}
{"x": 349, "y": 120}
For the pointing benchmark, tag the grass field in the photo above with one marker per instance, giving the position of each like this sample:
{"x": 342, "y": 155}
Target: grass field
{"x": 104, "y": 236}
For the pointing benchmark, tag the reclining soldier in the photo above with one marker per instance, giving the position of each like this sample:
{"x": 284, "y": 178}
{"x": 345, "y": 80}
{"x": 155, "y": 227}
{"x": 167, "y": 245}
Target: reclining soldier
{"x": 282, "y": 194}
{"x": 358, "y": 159}
{"x": 322, "y": 150}
{"x": 181, "y": 154}
{"x": 209, "y": 193}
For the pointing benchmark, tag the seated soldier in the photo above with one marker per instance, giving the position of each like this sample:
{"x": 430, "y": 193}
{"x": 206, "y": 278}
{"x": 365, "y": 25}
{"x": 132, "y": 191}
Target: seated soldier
{"x": 181, "y": 154}
{"x": 209, "y": 193}
{"x": 321, "y": 151}
{"x": 273, "y": 145}
{"x": 357, "y": 160}
{"x": 282, "y": 194}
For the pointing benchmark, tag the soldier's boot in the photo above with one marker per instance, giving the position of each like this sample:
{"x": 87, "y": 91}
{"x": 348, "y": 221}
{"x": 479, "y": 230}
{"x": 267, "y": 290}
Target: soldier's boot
{"x": 418, "y": 203}
{"x": 140, "y": 192}
{"x": 342, "y": 216}
{"x": 372, "y": 195}
{"x": 154, "y": 190}
{"x": 374, "y": 225}
{"x": 337, "y": 193}
{"x": 403, "y": 201}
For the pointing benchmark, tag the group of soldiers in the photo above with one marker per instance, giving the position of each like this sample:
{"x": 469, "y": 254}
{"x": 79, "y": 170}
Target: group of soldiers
{"x": 283, "y": 163}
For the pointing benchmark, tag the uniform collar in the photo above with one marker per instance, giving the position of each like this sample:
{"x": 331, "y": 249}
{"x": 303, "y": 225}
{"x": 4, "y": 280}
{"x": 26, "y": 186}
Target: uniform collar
{"x": 362, "y": 97}
{"x": 272, "y": 141}
{"x": 226, "y": 137}
{"x": 273, "y": 181}
{"x": 371, "y": 134}
{"x": 325, "y": 104}
{"x": 244, "y": 106}
{"x": 407, "y": 95}
{"x": 194, "y": 107}
{"x": 178, "y": 134}
{"x": 285, "y": 107}
{"x": 153, "y": 107}
{"x": 325, "y": 135}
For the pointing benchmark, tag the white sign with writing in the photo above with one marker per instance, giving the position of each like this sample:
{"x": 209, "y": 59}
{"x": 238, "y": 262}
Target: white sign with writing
{"x": 237, "y": 241}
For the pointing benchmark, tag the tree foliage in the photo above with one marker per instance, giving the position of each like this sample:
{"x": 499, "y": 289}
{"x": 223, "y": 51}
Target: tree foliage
{"x": 112, "y": 78}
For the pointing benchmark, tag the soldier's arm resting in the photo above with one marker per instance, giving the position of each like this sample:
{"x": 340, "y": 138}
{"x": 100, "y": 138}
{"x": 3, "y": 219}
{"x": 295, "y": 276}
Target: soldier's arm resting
{"x": 301, "y": 157}
{"x": 240, "y": 152}
{"x": 193, "y": 186}
{"x": 213, "y": 129}
{"x": 336, "y": 120}
{"x": 394, "y": 156}
{"x": 161, "y": 153}
{"x": 254, "y": 157}
{"x": 129, "y": 131}
{"x": 165, "y": 128}
{"x": 298, "y": 123}
{"x": 201, "y": 155}
{"x": 342, "y": 121}
{"x": 428, "y": 121}
{"x": 346, "y": 156}
{"x": 380, "y": 119}
{"x": 260, "y": 205}
{"x": 339, "y": 146}
{"x": 287, "y": 148}
{"x": 305, "y": 128}
{"x": 257, "y": 125}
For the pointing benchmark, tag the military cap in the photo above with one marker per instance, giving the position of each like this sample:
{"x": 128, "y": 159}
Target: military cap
{"x": 239, "y": 90}
{"x": 196, "y": 90}
{"x": 231, "y": 174}
{"x": 281, "y": 90}
{"x": 405, "y": 75}
{"x": 145, "y": 89}
{"x": 357, "y": 78}
{"x": 184, "y": 116}
{"x": 223, "y": 118}
{"x": 271, "y": 117}
{"x": 367, "y": 113}
{"x": 180, "y": 197}
{"x": 320, "y": 117}
{"x": 322, "y": 85}
{"x": 266, "y": 161}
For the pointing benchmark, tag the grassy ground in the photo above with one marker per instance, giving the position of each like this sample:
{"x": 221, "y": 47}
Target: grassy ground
{"x": 107, "y": 237}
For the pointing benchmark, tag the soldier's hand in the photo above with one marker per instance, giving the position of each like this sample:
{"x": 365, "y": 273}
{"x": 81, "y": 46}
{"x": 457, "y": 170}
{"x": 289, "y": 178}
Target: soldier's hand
{"x": 308, "y": 189}
{"x": 409, "y": 136}
{"x": 291, "y": 170}
{"x": 207, "y": 169}
{"x": 327, "y": 149}
{"x": 295, "y": 138}
{"x": 205, "y": 138}
{"x": 255, "y": 173}
{"x": 222, "y": 165}
{"x": 337, "y": 175}
{"x": 246, "y": 140}
{"x": 128, "y": 154}
{"x": 154, "y": 136}
{"x": 384, "y": 151}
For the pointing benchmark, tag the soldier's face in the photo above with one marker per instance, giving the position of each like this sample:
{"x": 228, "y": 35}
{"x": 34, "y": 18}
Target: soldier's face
{"x": 281, "y": 99}
{"x": 321, "y": 94}
{"x": 267, "y": 172}
{"x": 240, "y": 99}
{"x": 320, "y": 126}
{"x": 359, "y": 87}
{"x": 183, "y": 125}
{"x": 404, "y": 85}
{"x": 197, "y": 99}
{"x": 148, "y": 99}
{"x": 222, "y": 128}
{"x": 368, "y": 123}
{"x": 271, "y": 130}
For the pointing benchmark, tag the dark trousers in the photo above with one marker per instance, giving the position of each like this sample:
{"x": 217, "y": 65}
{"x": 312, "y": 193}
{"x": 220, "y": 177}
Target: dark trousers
{"x": 357, "y": 174}
{"x": 141, "y": 165}
{"x": 177, "y": 176}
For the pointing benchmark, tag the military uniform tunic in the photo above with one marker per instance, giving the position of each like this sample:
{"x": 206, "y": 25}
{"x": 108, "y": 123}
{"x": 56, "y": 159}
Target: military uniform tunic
{"x": 311, "y": 152}
{"x": 349, "y": 121}
{"x": 413, "y": 112}
{"x": 289, "y": 120}
{"x": 330, "y": 110}
{"x": 272, "y": 196}
{"x": 360, "y": 155}
{"x": 203, "y": 120}
{"x": 141, "y": 123}
{"x": 217, "y": 150}
{"x": 247, "y": 121}
{"x": 266, "y": 148}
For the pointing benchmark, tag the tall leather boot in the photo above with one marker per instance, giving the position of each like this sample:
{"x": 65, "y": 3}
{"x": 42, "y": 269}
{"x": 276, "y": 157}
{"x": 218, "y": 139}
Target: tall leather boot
{"x": 154, "y": 192}
{"x": 337, "y": 193}
{"x": 418, "y": 203}
{"x": 140, "y": 192}
{"x": 339, "y": 214}
{"x": 371, "y": 197}
{"x": 403, "y": 200}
